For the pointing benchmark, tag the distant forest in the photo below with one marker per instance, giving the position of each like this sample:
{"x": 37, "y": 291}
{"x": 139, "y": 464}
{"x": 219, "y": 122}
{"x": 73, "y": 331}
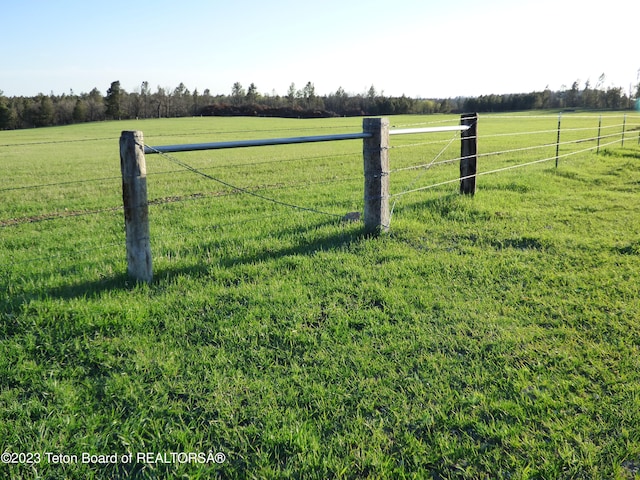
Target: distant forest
{"x": 49, "y": 110}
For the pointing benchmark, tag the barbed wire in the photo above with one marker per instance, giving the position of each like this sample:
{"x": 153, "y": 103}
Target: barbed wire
{"x": 240, "y": 189}
{"x": 190, "y": 134}
{"x": 456, "y": 135}
{"x": 435, "y": 122}
{"x": 163, "y": 200}
{"x": 498, "y": 116}
{"x": 253, "y": 130}
{"x": 240, "y": 165}
{"x": 9, "y": 222}
{"x": 548, "y": 145}
{"x": 425, "y": 167}
{"x": 498, "y": 170}
{"x": 268, "y": 187}
{"x": 70, "y": 182}
{"x": 554, "y": 130}
{"x": 53, "y": 142}
{"x": 513, "y": 150}
{"x": 419, "y": 144}
{"x": 157, "y": 202}
{"x": 168, "y": 172}
{"x": 266, "y": 162}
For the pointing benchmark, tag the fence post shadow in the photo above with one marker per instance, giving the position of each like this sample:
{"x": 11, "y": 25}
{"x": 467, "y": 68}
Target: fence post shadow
{"x": 334, "y": 241}
{"x": 123, "y": 281}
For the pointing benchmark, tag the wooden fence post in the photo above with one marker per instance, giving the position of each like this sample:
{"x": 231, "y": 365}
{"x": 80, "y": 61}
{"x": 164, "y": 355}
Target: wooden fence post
{"x": 469, "y": 154}
{"x": 558, "y": 138}
{"x": 136, "y": 208}
{"x": 599, "y": 128}
{"x": 377, "y": 215}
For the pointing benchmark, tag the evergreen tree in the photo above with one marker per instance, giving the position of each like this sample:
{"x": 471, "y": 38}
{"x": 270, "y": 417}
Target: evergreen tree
{"x": 113, "y": 101}
{"x": 237, "y": 93}
{"x": 291, "y": 95}
{"x": 6, "y": 117}
{"x": 80, "y": 111}
{"x": 252, "y": 93}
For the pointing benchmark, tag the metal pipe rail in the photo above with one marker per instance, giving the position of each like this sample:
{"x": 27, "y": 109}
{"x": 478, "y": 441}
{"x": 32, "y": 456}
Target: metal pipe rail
{"x": 290, "y": 140}
{"x": 254, "y": 143}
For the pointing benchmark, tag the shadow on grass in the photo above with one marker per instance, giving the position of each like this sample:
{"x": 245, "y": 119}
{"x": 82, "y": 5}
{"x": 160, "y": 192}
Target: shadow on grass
{"x": 122, "y": 282}
{"x": 452, "y": 206}
{"x": 11, "y": 304}
{"x": 618, "y": 153}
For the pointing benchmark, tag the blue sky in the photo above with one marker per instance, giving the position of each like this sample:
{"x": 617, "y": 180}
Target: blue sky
{"x": 418, "y": 48}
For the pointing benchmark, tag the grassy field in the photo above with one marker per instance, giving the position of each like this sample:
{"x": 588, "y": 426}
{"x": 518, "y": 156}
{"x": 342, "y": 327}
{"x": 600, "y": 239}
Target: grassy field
{"x": 493, "y": 337}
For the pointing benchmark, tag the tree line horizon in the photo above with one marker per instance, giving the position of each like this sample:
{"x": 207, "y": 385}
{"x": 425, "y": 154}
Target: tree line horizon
{"x": 54, "y": 110}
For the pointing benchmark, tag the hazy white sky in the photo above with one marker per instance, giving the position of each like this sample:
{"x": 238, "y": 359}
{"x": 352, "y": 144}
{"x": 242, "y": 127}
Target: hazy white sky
{"x": 421, "y": 48}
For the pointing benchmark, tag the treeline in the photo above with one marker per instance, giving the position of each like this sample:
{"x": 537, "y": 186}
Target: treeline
{"x": 48, "y": 110}
{"x": 587, "y": 97}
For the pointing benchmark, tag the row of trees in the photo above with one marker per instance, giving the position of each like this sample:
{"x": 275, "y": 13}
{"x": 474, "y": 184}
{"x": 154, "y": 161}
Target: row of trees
{"x": 588, "y": 97}
{"x": 47, "y": 110}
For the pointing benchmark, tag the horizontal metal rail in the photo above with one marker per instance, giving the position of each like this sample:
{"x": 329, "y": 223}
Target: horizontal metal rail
{"x": 254, "y": 143}
{"x": 291, "y": 140}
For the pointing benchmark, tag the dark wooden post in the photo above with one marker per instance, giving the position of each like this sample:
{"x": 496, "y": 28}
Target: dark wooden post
{"x": 599, "y": 128}
{"x": 624, "y": 127}
{"x": 376, "y": 175}
{"x": 136, "y": 208}
{"x": 558, "y": 139}
{"x": 469, "y": 154}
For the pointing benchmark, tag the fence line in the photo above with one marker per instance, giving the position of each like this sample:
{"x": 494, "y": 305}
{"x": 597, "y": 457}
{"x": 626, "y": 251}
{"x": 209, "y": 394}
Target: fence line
{"x": 287, "y": 141}
{"x": 52, "y": 142}
{"x": 426, "y": 167}
{"x": 392, "y": 132}
{"x": 266, "y": 162}
{"x": 27, "y": 187}
{"x": 490, "y": 172}
{"x": 420, "y": 144}
{"x": 247, "y": 190}
{"x": 443, "y": 120}
{"x": 537, "y": 132}
{"x": 237, "y": 165}
{"x": 204, "y": 132}
{"x": 375, "y": 136}
{"x": 252, "y": 143}
{"x": 9, "y": 222}
{"x": 43, "y": 217}
{"x": 515, "y": 150}
{"x": 234, "y": 187}
{"x": 498, "y": 116}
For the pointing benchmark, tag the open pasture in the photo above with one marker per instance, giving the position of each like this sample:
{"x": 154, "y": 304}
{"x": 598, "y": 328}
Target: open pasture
{"x": 488, "y": 337}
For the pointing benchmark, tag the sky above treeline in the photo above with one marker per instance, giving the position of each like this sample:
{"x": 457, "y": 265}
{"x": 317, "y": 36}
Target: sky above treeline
{"x": 419, "y": 48}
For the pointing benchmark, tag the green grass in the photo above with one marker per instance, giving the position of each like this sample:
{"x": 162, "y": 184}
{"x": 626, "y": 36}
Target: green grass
{"x": 487, "y": 337}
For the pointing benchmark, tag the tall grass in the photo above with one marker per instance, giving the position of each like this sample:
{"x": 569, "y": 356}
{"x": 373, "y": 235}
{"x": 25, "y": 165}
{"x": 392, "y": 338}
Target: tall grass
{"x": 486, "y": 337}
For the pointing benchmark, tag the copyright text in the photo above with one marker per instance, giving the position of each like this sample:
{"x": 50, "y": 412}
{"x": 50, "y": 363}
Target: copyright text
{"x": 54, "y": 458}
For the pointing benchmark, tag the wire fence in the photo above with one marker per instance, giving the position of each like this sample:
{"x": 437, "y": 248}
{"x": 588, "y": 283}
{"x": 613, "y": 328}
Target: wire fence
{"x": 415, "y": 157}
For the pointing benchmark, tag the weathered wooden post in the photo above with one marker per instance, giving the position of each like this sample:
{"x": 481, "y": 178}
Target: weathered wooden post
{"x": 624, "y": 127}
{"x": 377, "y": 215}
{"x": 136, "y": 208}
{"x": 469, "y": 154}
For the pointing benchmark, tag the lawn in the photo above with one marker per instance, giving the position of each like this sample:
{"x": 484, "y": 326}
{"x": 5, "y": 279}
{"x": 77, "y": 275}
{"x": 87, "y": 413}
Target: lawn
{"x": 486, "y": 337}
